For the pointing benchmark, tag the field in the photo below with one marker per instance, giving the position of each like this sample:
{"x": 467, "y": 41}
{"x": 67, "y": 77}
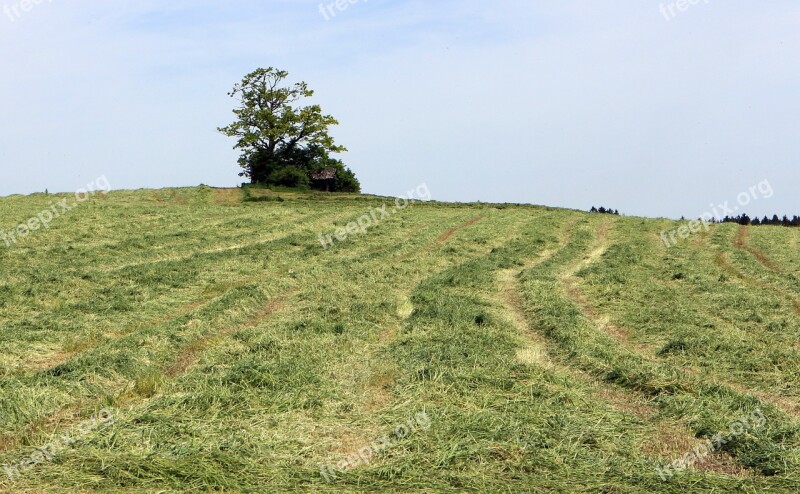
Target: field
{"x": 456, "y": 347}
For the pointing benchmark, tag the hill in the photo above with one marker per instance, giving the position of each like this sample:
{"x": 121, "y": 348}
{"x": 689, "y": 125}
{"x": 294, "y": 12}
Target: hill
{"x": 199, "y": 339}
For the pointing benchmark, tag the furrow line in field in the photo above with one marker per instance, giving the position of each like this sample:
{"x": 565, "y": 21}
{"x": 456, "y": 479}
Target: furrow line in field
{"x": 572, "y": 287}
{"x": 303, "y": 226}
{"x": 59, "y": 357}
{"x": 451, "y": 231}
{"x": 740, "y": 242}
{"x": 444, "y": 237}
{"x": 183, "y": 361}
{"x": 382, "y": 376}
{"x": 191, "y": 353}
{"x": 127, "y": 396}
{"x": 678, "y": 433}
{"x": 624, "y": 401}
{"x": 788, "y": 406}
{"x": 538, "y": 352}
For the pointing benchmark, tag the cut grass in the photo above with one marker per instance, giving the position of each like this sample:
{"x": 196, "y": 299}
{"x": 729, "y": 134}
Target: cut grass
{"x": 554, "y": 351}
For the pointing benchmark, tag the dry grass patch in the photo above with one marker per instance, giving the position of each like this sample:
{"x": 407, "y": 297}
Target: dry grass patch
{"x": 670, "y": 442}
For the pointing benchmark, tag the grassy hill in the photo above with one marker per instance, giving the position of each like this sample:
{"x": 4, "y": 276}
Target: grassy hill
{"x": 190, "y": 340}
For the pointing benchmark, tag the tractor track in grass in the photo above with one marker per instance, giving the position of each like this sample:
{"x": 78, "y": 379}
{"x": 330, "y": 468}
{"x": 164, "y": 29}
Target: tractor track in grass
{"x": 103, "y": 264}
{"x": 727, "y": 266}
{"x": 740, "y": 242}
{"x": 200, "y": 253}
{"x": 184, "y": 360}
{"x": 60, "y": 357}
{"x": 186, "y": 357}
{"x": 669, "y": 441}
{"x": 788, "y": 406}
{"x": 376, "y": 388}
{"x": 444, "y": 237}
{"x": 376, "y": 385}
{"x": 508, "y": 280}
{"x": 572, "y": 287}
{"x": 537, "y": 352}
{"x": 127, "y": 396}
{"x": 309, "y": 224}
{"x": 191, "y": 352}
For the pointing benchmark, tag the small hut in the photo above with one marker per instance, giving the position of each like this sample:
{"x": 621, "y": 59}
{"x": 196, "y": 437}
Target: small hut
{"x": 325, "y": 176}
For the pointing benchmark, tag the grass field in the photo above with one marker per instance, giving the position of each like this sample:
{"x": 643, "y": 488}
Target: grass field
{"x": 458, "y": 348}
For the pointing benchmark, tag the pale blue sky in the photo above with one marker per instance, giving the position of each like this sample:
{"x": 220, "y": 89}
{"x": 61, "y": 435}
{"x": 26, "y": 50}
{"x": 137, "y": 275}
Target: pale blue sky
{"x": 564, "y": 103}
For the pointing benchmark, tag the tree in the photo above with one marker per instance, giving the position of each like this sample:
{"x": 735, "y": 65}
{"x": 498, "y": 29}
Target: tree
{"x": 272, "y": 127}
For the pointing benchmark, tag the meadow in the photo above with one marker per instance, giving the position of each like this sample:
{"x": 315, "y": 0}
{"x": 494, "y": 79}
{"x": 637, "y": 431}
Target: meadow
{"x": 203, "y": 340}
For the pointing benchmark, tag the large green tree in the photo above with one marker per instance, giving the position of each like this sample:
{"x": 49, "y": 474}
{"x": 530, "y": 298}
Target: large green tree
{"x": 273, "y": 128}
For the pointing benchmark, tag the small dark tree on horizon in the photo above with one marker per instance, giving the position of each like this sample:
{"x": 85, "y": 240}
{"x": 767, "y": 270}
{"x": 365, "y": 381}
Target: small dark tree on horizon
{"x": 603, "y": 210}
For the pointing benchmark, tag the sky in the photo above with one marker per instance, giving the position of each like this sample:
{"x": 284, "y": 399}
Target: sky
{"x": 654, "y": 108}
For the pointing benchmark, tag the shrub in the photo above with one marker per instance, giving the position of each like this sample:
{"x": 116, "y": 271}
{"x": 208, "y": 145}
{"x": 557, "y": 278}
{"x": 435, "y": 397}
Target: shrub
{"x": 290, "y": 176}
{"x": 345, "y": 181}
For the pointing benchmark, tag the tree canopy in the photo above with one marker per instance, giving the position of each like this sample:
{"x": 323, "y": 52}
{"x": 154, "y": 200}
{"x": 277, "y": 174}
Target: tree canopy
{"x": 281, "y": 141}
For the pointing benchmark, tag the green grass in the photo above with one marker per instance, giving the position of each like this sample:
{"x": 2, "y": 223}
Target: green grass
{"x": 552, "y": 350}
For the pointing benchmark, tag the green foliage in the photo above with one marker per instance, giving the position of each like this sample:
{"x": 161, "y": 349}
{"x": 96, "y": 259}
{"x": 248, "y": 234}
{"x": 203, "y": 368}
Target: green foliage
{"x": 290, "y": 176}
{"x": 280, "y": 139}
{"x": 345, "y": 180}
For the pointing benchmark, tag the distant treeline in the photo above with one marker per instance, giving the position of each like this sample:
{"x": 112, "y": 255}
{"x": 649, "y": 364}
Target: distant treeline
{"x": 774, "y": 221}
{"x": 741, "y": 219}
{"x": 603, "y": 210}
